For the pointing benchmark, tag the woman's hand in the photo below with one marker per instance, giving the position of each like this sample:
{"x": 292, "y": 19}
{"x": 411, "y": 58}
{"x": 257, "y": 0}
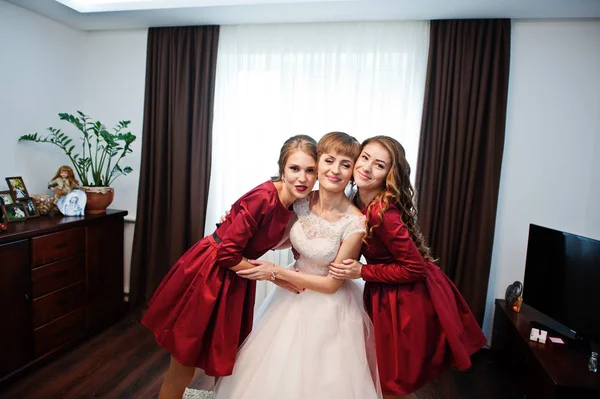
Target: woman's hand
{"x": 222, "y": 220}
{"x": 349, "y": 269}
{"x": 288, "y": 286}
{"x": 264, "y": 270}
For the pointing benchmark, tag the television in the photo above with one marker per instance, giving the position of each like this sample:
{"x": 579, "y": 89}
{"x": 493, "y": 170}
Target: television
{"x": 562, "y": 279}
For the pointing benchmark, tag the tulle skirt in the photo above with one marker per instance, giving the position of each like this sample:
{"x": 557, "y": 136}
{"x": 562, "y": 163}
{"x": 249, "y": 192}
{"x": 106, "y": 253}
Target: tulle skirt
{"x": 307, "y": 345}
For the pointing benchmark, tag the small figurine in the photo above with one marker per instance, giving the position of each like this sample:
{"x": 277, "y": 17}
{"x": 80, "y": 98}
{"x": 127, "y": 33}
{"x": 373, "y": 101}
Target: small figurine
{"x": 63, "y": 182}
{"x": 516, "y": 307}
{"x": 513, "y": 296}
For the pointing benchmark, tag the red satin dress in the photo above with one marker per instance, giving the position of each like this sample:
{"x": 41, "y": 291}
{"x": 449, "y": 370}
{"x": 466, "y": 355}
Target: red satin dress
{"x": 202, "y": 311}
{"x": 422, "y": 323}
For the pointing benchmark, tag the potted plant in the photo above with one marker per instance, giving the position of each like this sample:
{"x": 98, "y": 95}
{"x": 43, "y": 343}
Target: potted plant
{"x": 98, "y": 163}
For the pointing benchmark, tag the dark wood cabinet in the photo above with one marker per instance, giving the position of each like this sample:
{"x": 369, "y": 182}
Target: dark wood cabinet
{"x": 105, "y": 284}
{"x": 536, "y": 370}
{"x": 61, "y": 279}
{"x": 16, "y": 334}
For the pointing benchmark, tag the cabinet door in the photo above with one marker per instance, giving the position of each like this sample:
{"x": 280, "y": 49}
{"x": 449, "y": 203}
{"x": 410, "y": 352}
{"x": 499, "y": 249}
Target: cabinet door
{"x": 105, "y": 272}
{"x": 16, "y": 333}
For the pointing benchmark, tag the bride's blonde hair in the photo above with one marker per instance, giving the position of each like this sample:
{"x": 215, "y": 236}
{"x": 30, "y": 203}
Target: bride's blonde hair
{"x": 339, "y": 142}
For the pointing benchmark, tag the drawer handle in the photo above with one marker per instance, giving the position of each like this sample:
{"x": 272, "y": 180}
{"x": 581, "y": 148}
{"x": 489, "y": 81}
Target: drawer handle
{"x": 63, "y": 245}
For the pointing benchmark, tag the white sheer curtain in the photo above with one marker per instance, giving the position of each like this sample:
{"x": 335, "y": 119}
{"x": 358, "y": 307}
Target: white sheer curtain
{"x": 275, "y": 81}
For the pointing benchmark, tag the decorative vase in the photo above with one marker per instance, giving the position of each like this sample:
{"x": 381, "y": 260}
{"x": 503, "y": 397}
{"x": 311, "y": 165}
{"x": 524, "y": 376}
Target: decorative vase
{"x": 98, "y": 199}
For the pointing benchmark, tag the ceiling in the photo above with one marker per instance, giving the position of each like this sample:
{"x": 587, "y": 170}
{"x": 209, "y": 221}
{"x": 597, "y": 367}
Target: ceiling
{"x": 229, "y": 12}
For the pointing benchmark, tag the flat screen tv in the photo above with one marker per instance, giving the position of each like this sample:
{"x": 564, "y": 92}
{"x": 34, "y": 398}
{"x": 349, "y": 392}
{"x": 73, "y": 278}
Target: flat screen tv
{"x": 562, "y": 279}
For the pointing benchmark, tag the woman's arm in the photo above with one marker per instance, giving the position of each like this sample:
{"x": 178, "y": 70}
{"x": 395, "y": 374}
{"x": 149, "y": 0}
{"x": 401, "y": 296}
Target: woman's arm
{"x": 243, "y": 265}
{"x": 409, "y": 265}
{"x": 350, "y": 248}
{"x": 246, "y": 265}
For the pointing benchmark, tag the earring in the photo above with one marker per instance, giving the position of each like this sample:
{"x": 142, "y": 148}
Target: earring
{"x": 283, "y": 179}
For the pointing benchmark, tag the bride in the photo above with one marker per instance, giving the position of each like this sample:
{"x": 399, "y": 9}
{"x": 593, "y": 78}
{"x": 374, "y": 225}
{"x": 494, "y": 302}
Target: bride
{"x": 319, "y": 343}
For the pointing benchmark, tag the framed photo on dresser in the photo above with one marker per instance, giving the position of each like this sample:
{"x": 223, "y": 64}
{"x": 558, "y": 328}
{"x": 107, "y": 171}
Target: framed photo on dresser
{"x": 17, "y": 188}
{"x": 14, "y": 212}
{"x": 30, "y": 208}
{"x": 6, "y": 198}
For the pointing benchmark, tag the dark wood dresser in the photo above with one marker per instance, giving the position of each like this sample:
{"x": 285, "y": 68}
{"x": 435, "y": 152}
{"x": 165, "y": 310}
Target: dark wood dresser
{"x": 61, "y": 279}
{"x": 536, "y": 370}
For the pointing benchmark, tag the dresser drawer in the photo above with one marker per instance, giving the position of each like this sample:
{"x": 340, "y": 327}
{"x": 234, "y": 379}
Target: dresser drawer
{"x": 58, "y": 303}
{"x": 57, "y": 275}
{"x": 59, "y": 332}
{"x": 56, "y": 246}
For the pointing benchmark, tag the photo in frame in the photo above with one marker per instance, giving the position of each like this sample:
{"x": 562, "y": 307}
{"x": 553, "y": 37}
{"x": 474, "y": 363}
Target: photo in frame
{"x": 6, "y": 198}
{"x": 14, "y": 212}
{"x": 30, "y": 208}
{"x": 17, "y": 188}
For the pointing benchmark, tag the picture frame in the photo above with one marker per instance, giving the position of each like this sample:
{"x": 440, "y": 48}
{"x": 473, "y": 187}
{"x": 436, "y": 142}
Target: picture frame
{"x": 30, "y": 208}
{"x": 14, "y": 212}
{"x": 6, "y": 198}
{"x": 16, "y": 185}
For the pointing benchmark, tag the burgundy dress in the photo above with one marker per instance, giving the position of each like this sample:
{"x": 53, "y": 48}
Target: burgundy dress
{"x": 202, "y": 311}
{"x": 422, "y": 323}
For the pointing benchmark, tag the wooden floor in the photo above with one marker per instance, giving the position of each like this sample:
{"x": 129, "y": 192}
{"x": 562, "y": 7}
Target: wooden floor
{"x": 125, "y": 362}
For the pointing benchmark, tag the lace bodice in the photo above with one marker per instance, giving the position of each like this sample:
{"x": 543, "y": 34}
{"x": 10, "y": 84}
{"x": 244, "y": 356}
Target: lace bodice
{"x": 317, "y": 240}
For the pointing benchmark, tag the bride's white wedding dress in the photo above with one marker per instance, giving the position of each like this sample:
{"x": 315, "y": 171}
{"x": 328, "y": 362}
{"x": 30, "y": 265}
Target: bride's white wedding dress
{"x": 309, "y": 345}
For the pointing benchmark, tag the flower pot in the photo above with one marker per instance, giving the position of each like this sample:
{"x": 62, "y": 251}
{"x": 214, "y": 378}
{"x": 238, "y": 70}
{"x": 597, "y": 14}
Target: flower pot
{"x": 98, "y": 199}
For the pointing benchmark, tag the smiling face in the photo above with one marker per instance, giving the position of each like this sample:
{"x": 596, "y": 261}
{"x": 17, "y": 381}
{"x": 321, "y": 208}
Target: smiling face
{"x": 299, "y": 175}
{"x": 335, "y": 171}
{"x": 372, "y": 167}
{"x": 337, "y": 152}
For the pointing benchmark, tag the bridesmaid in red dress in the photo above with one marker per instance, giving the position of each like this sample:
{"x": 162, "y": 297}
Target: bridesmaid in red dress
{"x": 422, "y": 323}
{"x": 202, "y": 311}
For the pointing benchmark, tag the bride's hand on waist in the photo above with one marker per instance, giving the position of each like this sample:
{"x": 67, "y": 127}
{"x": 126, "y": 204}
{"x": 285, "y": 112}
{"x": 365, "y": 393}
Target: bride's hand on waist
{"x": 349, "y": 269}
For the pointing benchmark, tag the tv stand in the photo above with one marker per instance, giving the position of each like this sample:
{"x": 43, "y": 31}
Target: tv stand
{"x": 544, "y": 371}
{"x": 574, "y": 342}
{"x": 551, "y": 331}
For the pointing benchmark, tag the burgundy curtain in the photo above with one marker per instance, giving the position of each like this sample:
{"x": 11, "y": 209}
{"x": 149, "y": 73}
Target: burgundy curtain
{"x": 176, "y": 151}
{"x": 460, "y": 149}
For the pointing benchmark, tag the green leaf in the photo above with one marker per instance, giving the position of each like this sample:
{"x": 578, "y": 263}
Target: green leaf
{"x": 101, "y": 155}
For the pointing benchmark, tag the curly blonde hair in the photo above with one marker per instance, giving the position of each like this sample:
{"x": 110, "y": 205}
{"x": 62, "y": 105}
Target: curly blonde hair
{"x": 398, "y": 191}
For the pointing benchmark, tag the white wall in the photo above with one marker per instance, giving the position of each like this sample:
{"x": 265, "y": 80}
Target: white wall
{"x": 114, "y": 71}
{"x": 40, "y": 76}
{"x": 49, "y": 68}
{"x": 551, "y": 165}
